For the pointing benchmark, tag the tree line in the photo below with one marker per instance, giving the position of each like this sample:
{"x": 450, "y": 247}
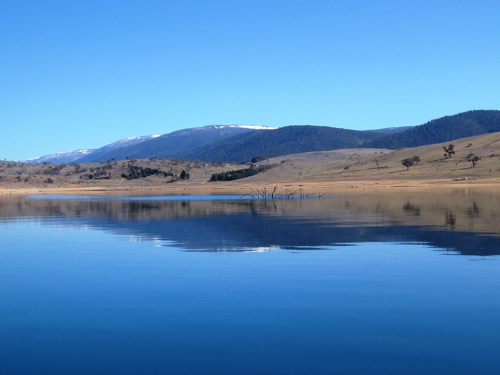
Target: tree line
{"x": 238, "y": 174}
{"x": 143, "y": 172}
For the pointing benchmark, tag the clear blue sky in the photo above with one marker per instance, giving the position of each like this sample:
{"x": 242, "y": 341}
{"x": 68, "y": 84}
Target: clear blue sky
{"x": 81, "y": 74}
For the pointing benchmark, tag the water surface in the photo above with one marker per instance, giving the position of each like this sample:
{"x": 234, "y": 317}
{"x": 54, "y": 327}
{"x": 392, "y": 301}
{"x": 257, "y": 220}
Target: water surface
{"x": 346, "y": 285}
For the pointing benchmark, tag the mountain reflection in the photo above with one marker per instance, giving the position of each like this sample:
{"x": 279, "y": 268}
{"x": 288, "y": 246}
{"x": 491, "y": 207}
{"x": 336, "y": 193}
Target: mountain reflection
{"x": 460, "y": 222}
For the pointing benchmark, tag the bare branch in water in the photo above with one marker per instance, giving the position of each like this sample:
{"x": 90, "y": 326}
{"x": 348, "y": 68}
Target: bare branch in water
{"x": 263, "y": 193}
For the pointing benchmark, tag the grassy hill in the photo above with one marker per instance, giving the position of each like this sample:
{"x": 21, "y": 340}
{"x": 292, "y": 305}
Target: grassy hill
{"x": 383, "y": 164}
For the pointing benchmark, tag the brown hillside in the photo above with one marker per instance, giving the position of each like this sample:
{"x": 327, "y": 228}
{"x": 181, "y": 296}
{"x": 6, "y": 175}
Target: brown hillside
{"x": 361, "y": 164}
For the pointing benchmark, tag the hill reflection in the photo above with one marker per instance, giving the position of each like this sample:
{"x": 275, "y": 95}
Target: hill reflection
{"x": 460, "y": 222}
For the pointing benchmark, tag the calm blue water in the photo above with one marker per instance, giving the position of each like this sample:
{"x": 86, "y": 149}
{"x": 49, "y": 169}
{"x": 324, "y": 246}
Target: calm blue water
{"x": 98, "y": 287}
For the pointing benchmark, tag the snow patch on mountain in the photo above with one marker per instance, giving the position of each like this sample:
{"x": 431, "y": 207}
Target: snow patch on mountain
{"x": 253, "y": 127}
{"x": 129, "y": 141}
{"x": 75, "y": 155}
{"x": 108, "y": 151}
{"x": 61, "y": 157}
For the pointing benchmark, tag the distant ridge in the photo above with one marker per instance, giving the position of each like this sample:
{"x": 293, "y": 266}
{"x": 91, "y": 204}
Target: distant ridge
{"x": 78, "y": 155}
{"x": 99, "y": 154}
{"x": 286, "y": 140}
{"x": 237, "y": 143}
{"x": 444, "y": 129}
{"x": 172, "y": 144}
{"x": 393, "y": 130}
{"x": 251, "y": 127}
{"x": 60, "y": 157}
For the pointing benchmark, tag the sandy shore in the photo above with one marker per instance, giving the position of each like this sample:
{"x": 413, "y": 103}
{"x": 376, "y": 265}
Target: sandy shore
{"x": 242, "y": 188}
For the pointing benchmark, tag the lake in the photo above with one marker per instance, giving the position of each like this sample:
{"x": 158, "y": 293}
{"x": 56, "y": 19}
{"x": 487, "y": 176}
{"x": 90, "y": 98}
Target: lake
{"x": 371, "y": 284}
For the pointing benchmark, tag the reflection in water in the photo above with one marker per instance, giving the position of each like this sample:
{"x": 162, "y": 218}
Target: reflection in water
{"x": 411, "y": 209}
{"x": 474, "y": 211}
{"x": 450, "y": 219}
{"x": 93, "y": 284}
{"x": 244, "y": 225}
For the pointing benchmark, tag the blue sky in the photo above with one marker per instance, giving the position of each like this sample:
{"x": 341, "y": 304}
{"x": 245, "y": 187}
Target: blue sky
{"x": 82, "y": 74}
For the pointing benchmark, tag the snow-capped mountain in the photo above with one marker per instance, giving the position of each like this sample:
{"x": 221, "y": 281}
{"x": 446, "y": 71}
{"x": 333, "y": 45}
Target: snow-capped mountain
{"x": 77, "y": 155}
{"x": 61, "y": 157}
{"x": 97, "y": 155}
{"x": 219, "y": 129}
{"x": 167, "y": 145}
{"x": 251, "y": 127}
{"x": 128, "y": 142}
{"x": 172, "y": 144}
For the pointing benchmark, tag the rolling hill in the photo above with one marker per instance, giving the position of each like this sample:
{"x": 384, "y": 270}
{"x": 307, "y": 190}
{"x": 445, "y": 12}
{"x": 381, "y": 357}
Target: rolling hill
{"x": 444, "y": 129}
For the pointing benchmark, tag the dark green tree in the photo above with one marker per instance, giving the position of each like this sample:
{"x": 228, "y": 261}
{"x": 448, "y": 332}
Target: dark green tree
{"x": 408, "y": 162}
{"x": 448, "y": 151}
{"x": 473, "y": 159}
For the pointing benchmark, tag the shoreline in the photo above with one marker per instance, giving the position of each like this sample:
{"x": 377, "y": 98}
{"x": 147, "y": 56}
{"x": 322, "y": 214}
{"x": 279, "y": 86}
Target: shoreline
{"x": 242, "y": 188}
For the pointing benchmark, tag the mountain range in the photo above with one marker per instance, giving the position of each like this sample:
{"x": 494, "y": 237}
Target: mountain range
{"x": 236, "y": 143}
{"x": 173, "y": 144}
{"x": 78, "y": 155}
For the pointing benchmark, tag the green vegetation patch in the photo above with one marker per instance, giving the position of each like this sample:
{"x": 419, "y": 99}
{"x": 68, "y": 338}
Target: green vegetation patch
{"x": 141, "y": 172}
{"x": 239, "y": 174}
